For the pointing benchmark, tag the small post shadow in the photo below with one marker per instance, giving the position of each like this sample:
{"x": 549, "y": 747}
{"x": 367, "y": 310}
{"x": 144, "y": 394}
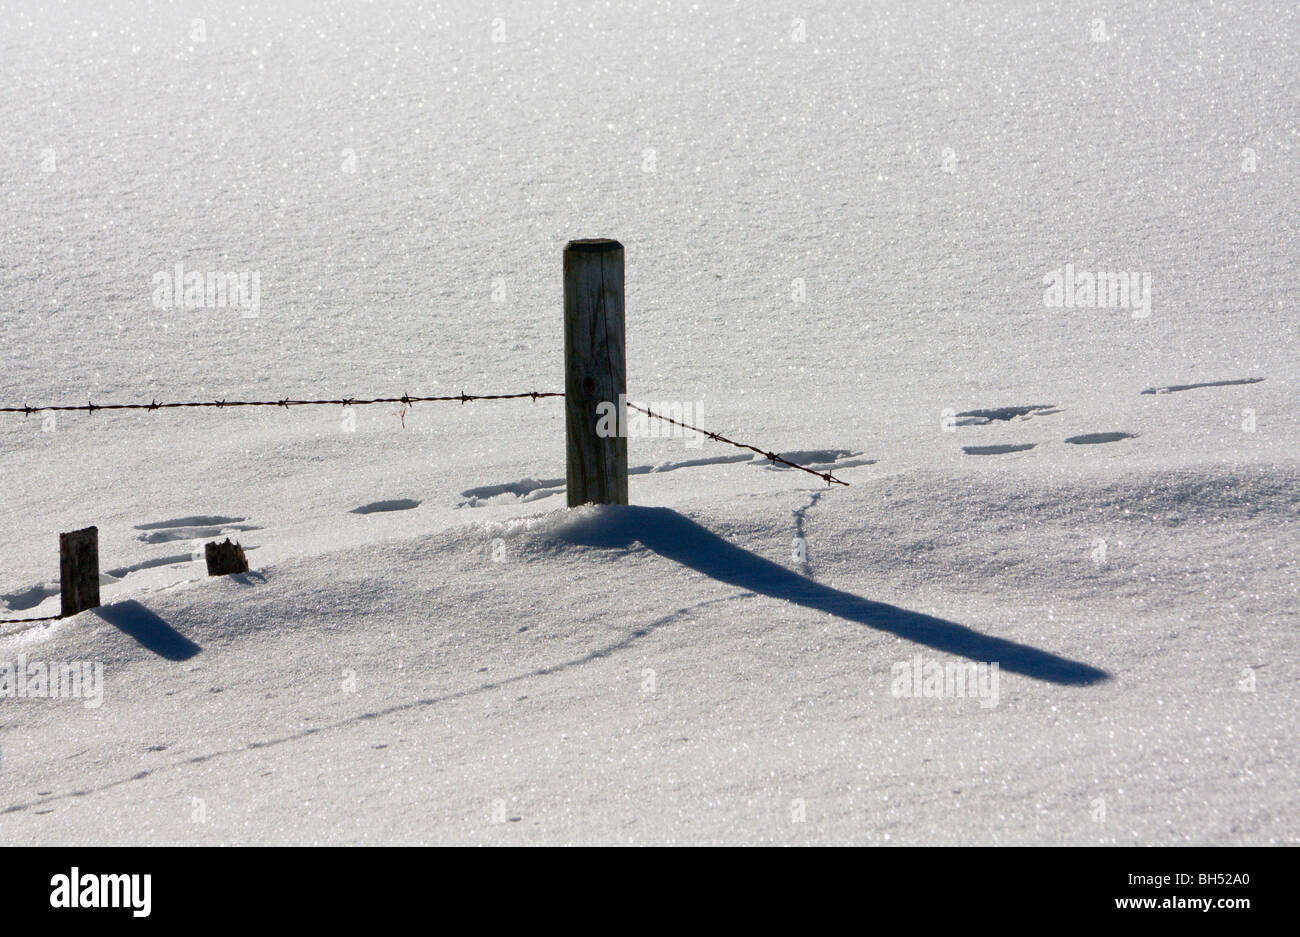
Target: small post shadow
{"x": 154, "y": 634}
{"x": 680, "y": 539}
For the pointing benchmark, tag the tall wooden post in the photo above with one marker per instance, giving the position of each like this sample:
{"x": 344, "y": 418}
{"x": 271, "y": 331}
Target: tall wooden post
{"x": 79, "y": 570}
{"x": 595, "y": 372}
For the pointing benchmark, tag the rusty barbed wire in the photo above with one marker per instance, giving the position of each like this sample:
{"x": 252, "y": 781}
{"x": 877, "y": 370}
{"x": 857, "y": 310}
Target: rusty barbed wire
{"x": 772, "y": 456}
{"x": 406, "y": 400}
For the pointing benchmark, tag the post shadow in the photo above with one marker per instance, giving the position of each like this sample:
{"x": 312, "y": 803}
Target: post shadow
{"x": 154, "y": 634}
{"x": 678, "y": 538}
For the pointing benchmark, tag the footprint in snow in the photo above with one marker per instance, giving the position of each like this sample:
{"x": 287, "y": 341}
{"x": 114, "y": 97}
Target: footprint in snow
{"x": 532, "y": 489}
{"x": 1176, "y": 388}
{"x": 379, "y": 507}
{"x": 819, "y": 460}
{"x": 1093, "y": 439}
{"x": 197, "y": 527}
{"x": 1005, "y": 414}
{"x": 998, "y": 450}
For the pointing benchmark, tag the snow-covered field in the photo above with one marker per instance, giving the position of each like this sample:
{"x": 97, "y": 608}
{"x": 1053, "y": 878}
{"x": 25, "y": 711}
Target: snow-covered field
{"x": 840, "y": 222}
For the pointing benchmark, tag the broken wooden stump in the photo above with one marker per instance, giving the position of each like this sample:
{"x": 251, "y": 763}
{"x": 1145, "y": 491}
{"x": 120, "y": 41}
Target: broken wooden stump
{"x": 225, "y": 558}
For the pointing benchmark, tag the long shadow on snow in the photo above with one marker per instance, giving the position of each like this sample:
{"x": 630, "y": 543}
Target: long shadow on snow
{"x": 148, "y": 629}
{"x": 680, "y": 539}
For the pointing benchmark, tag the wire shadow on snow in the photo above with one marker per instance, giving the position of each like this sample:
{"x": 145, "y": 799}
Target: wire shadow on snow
{"x": 151, "y": 632}
{"x": 491, "y": 686}
{"x": 678, "y": 538}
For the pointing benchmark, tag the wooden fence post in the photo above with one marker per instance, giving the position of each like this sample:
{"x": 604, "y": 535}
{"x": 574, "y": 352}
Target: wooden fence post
{"x": 79, "y": 570}
{"x": 225, "y": 558}
{"x": 595, "y": 372}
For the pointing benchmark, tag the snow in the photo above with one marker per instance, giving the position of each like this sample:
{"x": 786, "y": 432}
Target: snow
{"x": 431, "y": 648}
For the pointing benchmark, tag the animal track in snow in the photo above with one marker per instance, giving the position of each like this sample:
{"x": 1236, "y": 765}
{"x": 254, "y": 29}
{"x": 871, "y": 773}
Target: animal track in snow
{"x": 1175, "y": 388}
{"x": 816, "y": 459}
{"x": 378, "y": 507}
{"x": 998, "y": 450}
{"x": 533, "y": 489}
{"x": 198, "y": 520}
{"x": 526, "y": 489}
{"x": 1093, "y": 439}
{"x": 29, "y": 598}
{"x": 199, "y": 527}
{"x": 1004, "y": 414}
{"x": 175, "y": 559}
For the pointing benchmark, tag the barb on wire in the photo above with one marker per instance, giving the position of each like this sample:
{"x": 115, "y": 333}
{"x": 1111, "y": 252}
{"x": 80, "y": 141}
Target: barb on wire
{"x": 405, "y": 400}
{"x": 771, "y": 456}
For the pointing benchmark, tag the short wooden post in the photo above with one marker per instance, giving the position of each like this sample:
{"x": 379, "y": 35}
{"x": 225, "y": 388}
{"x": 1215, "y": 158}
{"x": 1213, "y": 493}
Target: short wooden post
{"x": 225, "y": 558}
{"x": 79, "y": 570}
{"x": 595, "y": 372}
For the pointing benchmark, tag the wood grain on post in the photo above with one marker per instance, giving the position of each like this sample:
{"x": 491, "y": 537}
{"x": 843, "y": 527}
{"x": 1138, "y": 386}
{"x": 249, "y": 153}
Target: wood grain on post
{"x": 225, "y": 558}
{"x": 595, "y": 371}
{"x": 79, "y": 570}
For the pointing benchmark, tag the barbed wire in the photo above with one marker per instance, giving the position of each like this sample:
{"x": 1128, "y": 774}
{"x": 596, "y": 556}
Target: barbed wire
{"x": 772, "y": 456}
{"x": 406, "y": 399}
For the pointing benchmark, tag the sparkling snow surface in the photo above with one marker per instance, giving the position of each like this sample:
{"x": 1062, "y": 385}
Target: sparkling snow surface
{"x": 837, "y": 245}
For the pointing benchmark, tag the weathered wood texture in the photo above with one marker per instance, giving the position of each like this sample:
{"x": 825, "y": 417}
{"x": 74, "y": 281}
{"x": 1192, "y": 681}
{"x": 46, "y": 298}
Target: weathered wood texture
{"x": 225, "y": 558}
{"x": 595, "y": 371}
{"x": 79, "y": 570}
